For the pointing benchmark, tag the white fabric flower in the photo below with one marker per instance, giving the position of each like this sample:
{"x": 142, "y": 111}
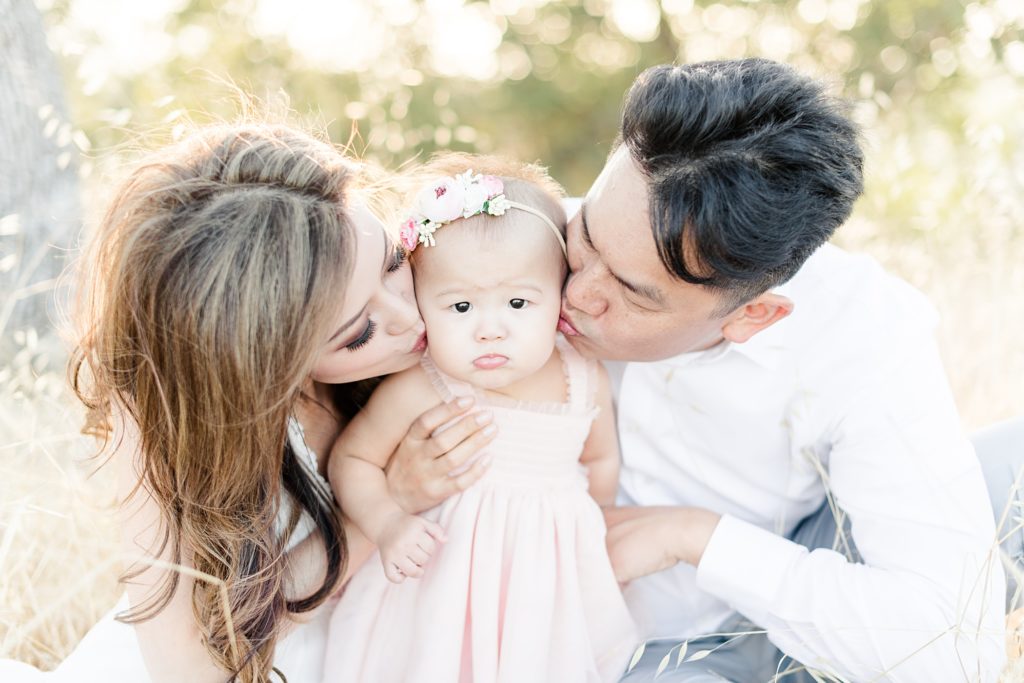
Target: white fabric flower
{"x": 497, "y": 206}
{"x": 476, "y": 195}
{"x": 442, "y": 200}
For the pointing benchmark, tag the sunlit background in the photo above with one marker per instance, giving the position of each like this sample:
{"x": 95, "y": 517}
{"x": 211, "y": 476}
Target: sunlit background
{"x": 938, "y": 86}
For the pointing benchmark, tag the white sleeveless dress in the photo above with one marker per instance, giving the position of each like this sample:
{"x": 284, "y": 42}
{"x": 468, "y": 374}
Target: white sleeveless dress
{"x": 109, "y": 652}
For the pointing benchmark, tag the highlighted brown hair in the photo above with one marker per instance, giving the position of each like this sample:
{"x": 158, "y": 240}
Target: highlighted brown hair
{"x": 213, "y": 280}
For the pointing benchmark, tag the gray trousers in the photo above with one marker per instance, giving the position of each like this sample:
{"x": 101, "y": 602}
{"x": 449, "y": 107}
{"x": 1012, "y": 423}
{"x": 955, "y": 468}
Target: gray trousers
{"x": 751, "y": 658}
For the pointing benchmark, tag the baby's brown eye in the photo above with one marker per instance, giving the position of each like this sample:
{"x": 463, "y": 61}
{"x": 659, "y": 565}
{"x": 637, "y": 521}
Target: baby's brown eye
{"x": 517, "y": 303}
{"x": 462, "y": 307}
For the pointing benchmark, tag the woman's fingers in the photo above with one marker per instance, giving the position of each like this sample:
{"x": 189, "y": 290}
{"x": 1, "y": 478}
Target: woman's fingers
{"x": 470, "y": 425}
{"x": 466, "y": 479}
{"x": 426, "y": 423}
{"x": 463, "y": 451}
{"x": 419, "y": 471}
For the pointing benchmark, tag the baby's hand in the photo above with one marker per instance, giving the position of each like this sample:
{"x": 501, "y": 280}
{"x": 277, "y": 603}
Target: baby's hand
{"x": 407, "y": 544}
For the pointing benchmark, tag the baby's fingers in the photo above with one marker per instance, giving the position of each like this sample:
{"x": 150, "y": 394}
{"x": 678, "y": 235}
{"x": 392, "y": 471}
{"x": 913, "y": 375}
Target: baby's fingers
{"x": 435, "y": 531}
{"x": 393, "y": 572}
{"x": 419, "y": 556}
{"x": 410, "y": 568}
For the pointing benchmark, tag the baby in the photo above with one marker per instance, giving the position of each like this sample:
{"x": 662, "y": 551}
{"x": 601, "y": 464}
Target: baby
{"x": 512, "y": 579}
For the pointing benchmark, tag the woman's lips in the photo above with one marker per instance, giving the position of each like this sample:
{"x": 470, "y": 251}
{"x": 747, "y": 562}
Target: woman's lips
{"x": 421, "y": 343}
{"x": 490, "y": 361}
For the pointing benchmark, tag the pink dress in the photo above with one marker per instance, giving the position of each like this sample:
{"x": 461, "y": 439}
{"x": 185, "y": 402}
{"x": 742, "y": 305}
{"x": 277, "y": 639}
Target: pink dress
{"x": 523, "y": 590}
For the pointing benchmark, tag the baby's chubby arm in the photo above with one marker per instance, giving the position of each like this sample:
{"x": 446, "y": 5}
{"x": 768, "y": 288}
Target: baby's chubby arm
{"x": 356, "y": 472}
{"x": 601, "y": 450}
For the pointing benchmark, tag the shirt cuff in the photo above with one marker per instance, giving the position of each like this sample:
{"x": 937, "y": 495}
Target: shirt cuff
{"x": 746, "y": 566}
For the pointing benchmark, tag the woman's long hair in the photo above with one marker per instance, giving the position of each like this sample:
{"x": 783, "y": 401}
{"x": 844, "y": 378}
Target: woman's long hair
{"x": 212, "y": 282}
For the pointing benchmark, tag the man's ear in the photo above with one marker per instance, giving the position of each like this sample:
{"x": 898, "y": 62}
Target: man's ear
{"x": 756, "y": 315}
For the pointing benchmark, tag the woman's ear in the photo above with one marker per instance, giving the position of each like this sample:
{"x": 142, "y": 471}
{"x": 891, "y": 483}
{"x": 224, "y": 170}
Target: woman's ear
{"x": 756, "y": 315}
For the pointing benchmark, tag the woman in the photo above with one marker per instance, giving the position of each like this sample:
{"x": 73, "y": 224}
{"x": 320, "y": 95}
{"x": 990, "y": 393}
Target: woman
{"x": 240, "y": 284}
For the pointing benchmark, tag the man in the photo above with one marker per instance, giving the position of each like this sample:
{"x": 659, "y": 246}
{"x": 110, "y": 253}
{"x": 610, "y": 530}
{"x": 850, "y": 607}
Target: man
{"x": 782, "y": 382}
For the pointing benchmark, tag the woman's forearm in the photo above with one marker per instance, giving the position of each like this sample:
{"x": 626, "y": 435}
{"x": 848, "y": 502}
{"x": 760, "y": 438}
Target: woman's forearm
{"x": 307, "y": 562}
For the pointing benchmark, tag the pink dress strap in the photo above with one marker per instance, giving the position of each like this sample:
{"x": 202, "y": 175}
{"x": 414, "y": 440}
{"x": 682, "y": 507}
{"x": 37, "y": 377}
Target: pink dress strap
{"x": 447, "y": 387}
{"x": 580, "y": 375}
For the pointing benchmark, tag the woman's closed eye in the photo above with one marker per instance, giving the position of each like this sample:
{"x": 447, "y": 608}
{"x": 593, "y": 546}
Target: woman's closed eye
{"x": 363, "y": 338}
{"x": 398, "y": 260}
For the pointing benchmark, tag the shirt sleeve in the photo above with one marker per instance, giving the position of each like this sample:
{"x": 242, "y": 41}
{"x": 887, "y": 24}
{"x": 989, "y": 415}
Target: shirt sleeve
{"x": 927, "y": 602}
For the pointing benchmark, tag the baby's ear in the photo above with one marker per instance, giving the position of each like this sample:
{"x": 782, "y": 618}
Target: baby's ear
{"x": 756, "y": 315}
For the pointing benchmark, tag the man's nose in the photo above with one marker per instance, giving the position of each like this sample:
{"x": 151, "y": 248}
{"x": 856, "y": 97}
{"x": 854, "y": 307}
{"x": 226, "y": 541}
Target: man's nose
{"x": 582, "y": 293}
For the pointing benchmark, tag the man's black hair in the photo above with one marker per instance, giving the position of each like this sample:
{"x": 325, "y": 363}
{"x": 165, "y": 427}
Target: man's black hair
{"x": 750, "y": 167}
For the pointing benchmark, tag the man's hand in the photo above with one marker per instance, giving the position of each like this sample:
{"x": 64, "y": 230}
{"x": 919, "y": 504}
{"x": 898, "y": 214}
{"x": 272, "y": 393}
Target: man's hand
{"x": 429, "y": 466}
{"x": 407, "y": 544}
{"x": 645, "y": 540}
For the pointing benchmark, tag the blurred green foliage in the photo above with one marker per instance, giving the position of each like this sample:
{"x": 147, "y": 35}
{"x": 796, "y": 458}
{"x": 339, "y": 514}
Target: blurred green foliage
{"x": 935, "y": 81}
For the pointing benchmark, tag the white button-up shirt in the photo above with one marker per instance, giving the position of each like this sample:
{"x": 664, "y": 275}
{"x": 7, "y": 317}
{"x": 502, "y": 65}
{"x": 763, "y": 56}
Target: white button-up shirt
{"x": 848, "y": 391}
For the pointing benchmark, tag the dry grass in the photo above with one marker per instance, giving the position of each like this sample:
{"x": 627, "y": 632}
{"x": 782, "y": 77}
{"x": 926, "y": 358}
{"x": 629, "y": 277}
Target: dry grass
{"x": 58, "y": 543}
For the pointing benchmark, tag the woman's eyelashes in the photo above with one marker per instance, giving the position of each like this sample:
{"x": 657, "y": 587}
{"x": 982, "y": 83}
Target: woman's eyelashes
{"x": 362, "y": 339}
{"x": 398, "y": 260}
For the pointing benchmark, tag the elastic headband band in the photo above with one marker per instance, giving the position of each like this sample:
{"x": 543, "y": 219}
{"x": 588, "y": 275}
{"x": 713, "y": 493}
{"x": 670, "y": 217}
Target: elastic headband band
{"x": 547, "y": 221}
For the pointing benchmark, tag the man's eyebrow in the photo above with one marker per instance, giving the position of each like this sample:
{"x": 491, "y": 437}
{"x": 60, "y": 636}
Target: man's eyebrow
{"x": 646, "y": 291}
{"x": 583, "y": 221}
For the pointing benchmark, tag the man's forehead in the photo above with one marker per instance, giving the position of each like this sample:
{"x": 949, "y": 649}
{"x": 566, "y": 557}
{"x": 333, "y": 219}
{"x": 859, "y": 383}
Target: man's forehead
{"x": 620, "y": 173}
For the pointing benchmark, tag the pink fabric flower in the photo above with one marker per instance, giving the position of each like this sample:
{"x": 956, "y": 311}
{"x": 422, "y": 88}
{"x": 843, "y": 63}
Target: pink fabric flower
{"x": 493, "y": 185}
{"x": 442, "y": 200}
{"x": 409, "y": 235}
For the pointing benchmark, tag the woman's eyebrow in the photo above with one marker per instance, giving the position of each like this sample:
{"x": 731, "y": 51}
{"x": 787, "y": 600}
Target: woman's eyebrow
{"x": 358, "y": 315}
{"x": 347, "y": 325}
{"x": 388, "y": 250}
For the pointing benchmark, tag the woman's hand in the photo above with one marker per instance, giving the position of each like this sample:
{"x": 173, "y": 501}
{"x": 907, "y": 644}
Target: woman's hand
{"x": 427, "y": 467}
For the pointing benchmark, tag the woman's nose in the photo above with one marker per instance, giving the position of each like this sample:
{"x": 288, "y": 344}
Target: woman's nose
{"x": 583, "y": 294}
{"x": 403, "y": 312}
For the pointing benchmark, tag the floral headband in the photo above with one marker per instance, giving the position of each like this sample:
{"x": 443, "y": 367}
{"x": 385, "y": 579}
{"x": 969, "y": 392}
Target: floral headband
{"x": 448, "y": 199}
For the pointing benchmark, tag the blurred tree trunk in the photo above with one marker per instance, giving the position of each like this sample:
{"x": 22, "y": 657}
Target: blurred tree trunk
{"x": 39, "y": 202}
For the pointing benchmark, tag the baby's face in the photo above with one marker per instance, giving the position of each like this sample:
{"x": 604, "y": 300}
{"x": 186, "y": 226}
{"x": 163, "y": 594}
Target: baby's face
{"x": 490, "y": 303}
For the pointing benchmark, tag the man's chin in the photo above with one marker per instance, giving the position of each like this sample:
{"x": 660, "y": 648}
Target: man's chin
{"x": 583, "y": 345}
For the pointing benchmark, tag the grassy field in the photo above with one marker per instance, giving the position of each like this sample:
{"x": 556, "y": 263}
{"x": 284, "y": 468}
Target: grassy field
{"x": 955, "y": 236}
{"x": 58, "y": 543}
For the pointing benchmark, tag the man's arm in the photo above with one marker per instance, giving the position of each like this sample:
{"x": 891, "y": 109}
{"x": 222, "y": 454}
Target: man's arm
{"x": 926, "y": 604}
